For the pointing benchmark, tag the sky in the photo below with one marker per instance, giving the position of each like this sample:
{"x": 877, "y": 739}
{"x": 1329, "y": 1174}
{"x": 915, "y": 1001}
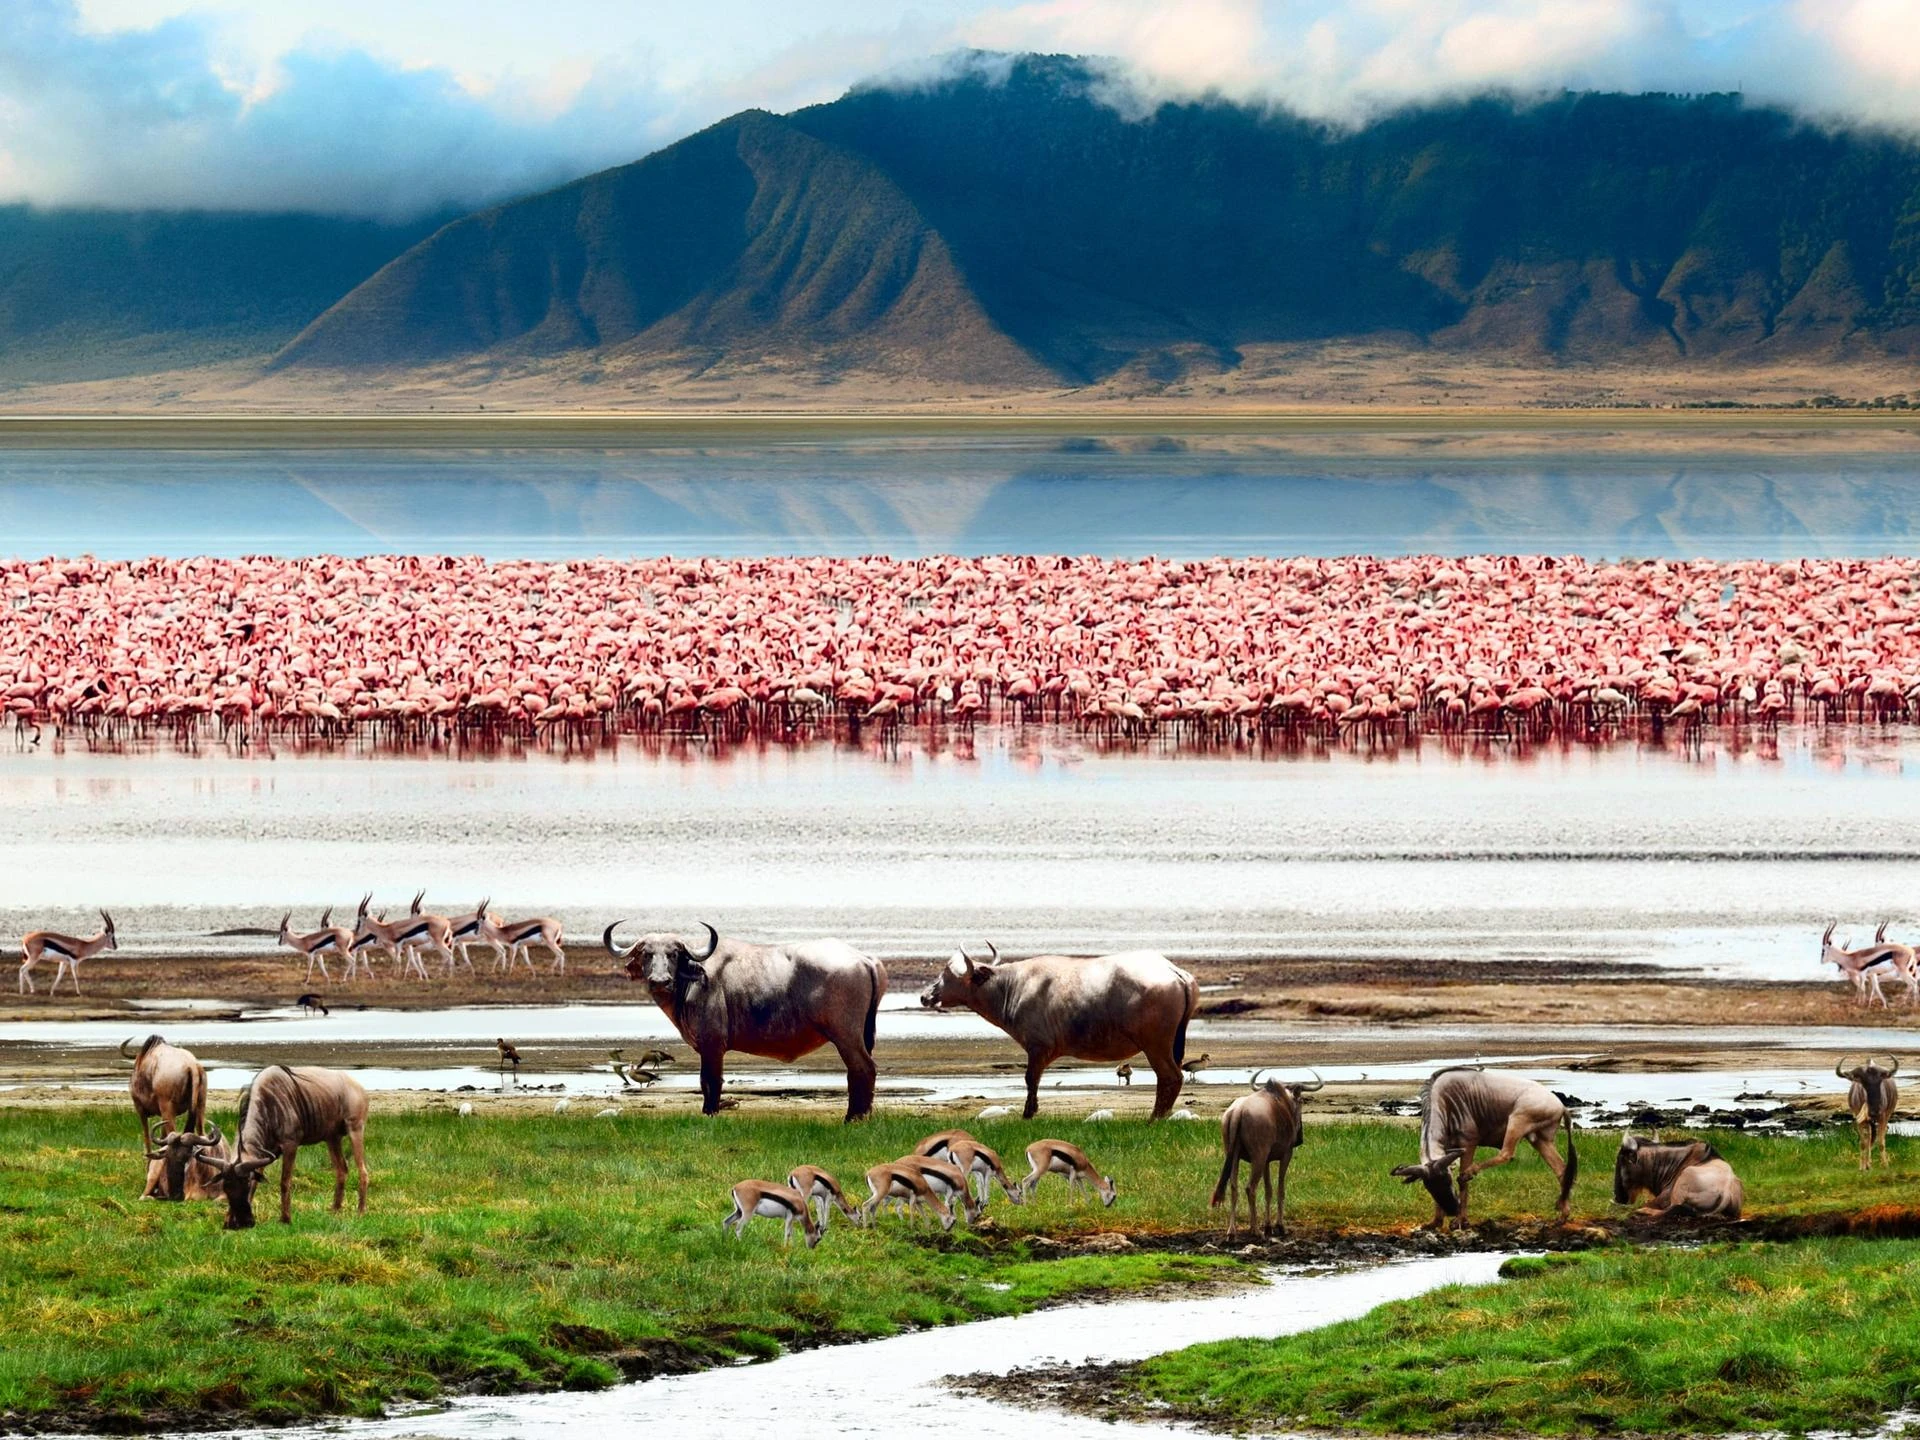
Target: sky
{"x": 394, "y": 108}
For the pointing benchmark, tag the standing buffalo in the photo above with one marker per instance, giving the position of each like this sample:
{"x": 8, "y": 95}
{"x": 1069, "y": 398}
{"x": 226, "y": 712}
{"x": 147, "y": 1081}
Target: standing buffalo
{"x": 1463, "y": 1108}
{"x": 1687, "y": 1176}
{"x": 1108, "y": 1008}
{"x": 779, "y": 1001}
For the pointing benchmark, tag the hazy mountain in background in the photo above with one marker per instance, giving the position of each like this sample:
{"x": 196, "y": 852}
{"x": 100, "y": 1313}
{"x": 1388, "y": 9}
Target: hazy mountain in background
{"x": 1004, "y": 230}
{"x": 91, "y": 293}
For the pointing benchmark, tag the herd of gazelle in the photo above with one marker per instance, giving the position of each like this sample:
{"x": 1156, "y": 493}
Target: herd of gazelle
{"x": 408, "y": 941}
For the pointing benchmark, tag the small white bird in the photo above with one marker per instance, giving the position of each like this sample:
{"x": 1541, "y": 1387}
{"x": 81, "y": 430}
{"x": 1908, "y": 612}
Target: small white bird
{"x": 611, "y": 1112}
{"x": 994, "y": 1112}
{"x": 1100, "y": 1115}
{"x": 560, "y": 1107}
{"x": 466, "y": 1109}
{"x": 1183, "y": 1114}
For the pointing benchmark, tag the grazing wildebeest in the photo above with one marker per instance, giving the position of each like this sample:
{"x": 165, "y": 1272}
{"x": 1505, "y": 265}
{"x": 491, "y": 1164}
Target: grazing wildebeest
{"x": 185, "y": 1165}
{"x": 282, "y": 1110}
{"x": 1687, "y": 1176}
{"x": 168, "y": 1083}
{"x": 780, "y": 1001}
{"x": 1872, "y": 1097}
{"x": 1463, "y": 1108}
{"x": 1107, "y": 1008}
{"x": 1263, "y": 1129}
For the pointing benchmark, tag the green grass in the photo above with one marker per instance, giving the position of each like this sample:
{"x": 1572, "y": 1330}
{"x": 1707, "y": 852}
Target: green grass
{"x": 1817, "y": 1334}
{"x": 513, "y": 1253}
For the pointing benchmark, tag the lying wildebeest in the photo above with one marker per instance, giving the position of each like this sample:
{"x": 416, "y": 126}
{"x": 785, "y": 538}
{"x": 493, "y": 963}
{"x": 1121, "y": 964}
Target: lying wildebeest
{"x": 1263, "y": 1129}
{"x": 1687, "y": 1176}
{"x": 1107, "y": 1008}
{"x": 1463, "y": 1108}
{"x": 185, "y": 1165}
{"x": 167, "y": 1083}
{"x": 282, "y": 1110}
{"x": 1872, "y": 1097}
{"x": 780, "y": 1001}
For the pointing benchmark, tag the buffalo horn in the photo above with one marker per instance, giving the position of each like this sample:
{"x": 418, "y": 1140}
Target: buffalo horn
{"x": 713, "y": 943}
{"x": 614, "y": 949}
{"x": 994, "y": 951}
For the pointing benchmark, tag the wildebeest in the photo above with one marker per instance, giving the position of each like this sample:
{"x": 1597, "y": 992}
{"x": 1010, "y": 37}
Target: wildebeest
{"x": 1687, "y": 1176}
{"x": 1263, "y": 1130}
{"x": 167, "y": 1083}
{"x": 1872, "y": 1097}
{"x": 1107, "y": 1008}
{"x": 779, "y": 1001}
{"x": 282, "y": 1110}
{"x": 185, "y": 1165}
{"x": 1463, "y": 1108}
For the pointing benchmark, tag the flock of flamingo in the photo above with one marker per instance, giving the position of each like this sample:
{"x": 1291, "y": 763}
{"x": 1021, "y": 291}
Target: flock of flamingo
{"x": 417, "y": 646}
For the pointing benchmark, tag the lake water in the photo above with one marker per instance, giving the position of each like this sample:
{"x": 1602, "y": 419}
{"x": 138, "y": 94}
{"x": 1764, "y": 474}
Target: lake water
{"x": 1179, "y": 494}
{"x": 1726, "y": 860}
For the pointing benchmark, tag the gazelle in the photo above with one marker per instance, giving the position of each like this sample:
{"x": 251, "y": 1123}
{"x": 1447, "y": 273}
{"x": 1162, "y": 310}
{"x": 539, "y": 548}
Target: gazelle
{"x": 1869, "y": 965}
{"x": 1057, "y": 1157}
{"x": 425, "y": 931}
{"x": 980, "y": 1162}
{"x": 947, "y": 1180}
{"x": 316, "y": 944}
{"x": 370, "y": 933}
{"x": 822, "y": 1189}
{"x": 68, "y": 951}
{"x": 775, "y": 1202}
{"x": 515, "y": 938}
{"x": 905, "y": 1185}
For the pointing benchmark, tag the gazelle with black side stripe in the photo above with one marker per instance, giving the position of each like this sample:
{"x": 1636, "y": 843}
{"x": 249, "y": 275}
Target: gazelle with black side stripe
{"x": 372, "y": 933}
{"x": 514, "y": 939}
{"x": 67, "y": 950}
{"x": 316, "y": 944}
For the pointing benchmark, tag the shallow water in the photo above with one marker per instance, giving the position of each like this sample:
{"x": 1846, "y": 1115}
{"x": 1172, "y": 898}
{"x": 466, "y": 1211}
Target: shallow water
{"x": 1175, "y": 495}
{"x": 1727, "y": 860}
{"x": 889, "y": 1388}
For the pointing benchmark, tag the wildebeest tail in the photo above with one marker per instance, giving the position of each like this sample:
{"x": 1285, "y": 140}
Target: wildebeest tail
{"x": 1180, "y": 1031}
{"x": 873, "y": 1007}
{"x": 1572, "y": 1172}
{"x": 197, "y": 1100}
{"x": 1230, "y": 1132}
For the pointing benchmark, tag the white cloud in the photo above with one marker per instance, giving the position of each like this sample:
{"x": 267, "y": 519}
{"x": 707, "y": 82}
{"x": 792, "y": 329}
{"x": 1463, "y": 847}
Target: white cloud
{"x": 368, "y": 107}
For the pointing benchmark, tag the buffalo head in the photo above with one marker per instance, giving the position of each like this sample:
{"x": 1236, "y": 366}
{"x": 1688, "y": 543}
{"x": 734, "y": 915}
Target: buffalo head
{"x": 1437, "y": 1175}
{"x": 664, "y": 962}
{"x": 960, "y": 976}
{"x": 237, "y": 1181}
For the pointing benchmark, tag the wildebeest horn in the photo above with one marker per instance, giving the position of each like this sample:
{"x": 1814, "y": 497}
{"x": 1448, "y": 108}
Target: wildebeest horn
{"x": 713, "y": 943}
{"x": 1893, "y": 1066}
{"x": 1840, "y": 1067}
{"x": 1318, "y": 1083}
{"x": 994, "y": 951}
{"x": 1255, "y": 1081}
{"x": 614, "y": 949}
{"x": 213, "y": 1134}
{"x": 154, "y": 1138}
{"x": 126, "y": 1054}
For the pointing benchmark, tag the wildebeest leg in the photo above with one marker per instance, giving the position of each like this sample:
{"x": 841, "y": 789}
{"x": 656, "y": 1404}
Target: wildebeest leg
{"x": 359, "y": 1137}
{"x": 1467, "y": 1170}
{"x": 711, "y": 1079}
{"x": 1545, "y": 1148}
{"x": 1280, "y": 1215}
{"x": 286, "y": 1183}
{"x": 1036, "y": 1067}
{"x": 339, "y": 1172}
{"x": 861, "y": 1073}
